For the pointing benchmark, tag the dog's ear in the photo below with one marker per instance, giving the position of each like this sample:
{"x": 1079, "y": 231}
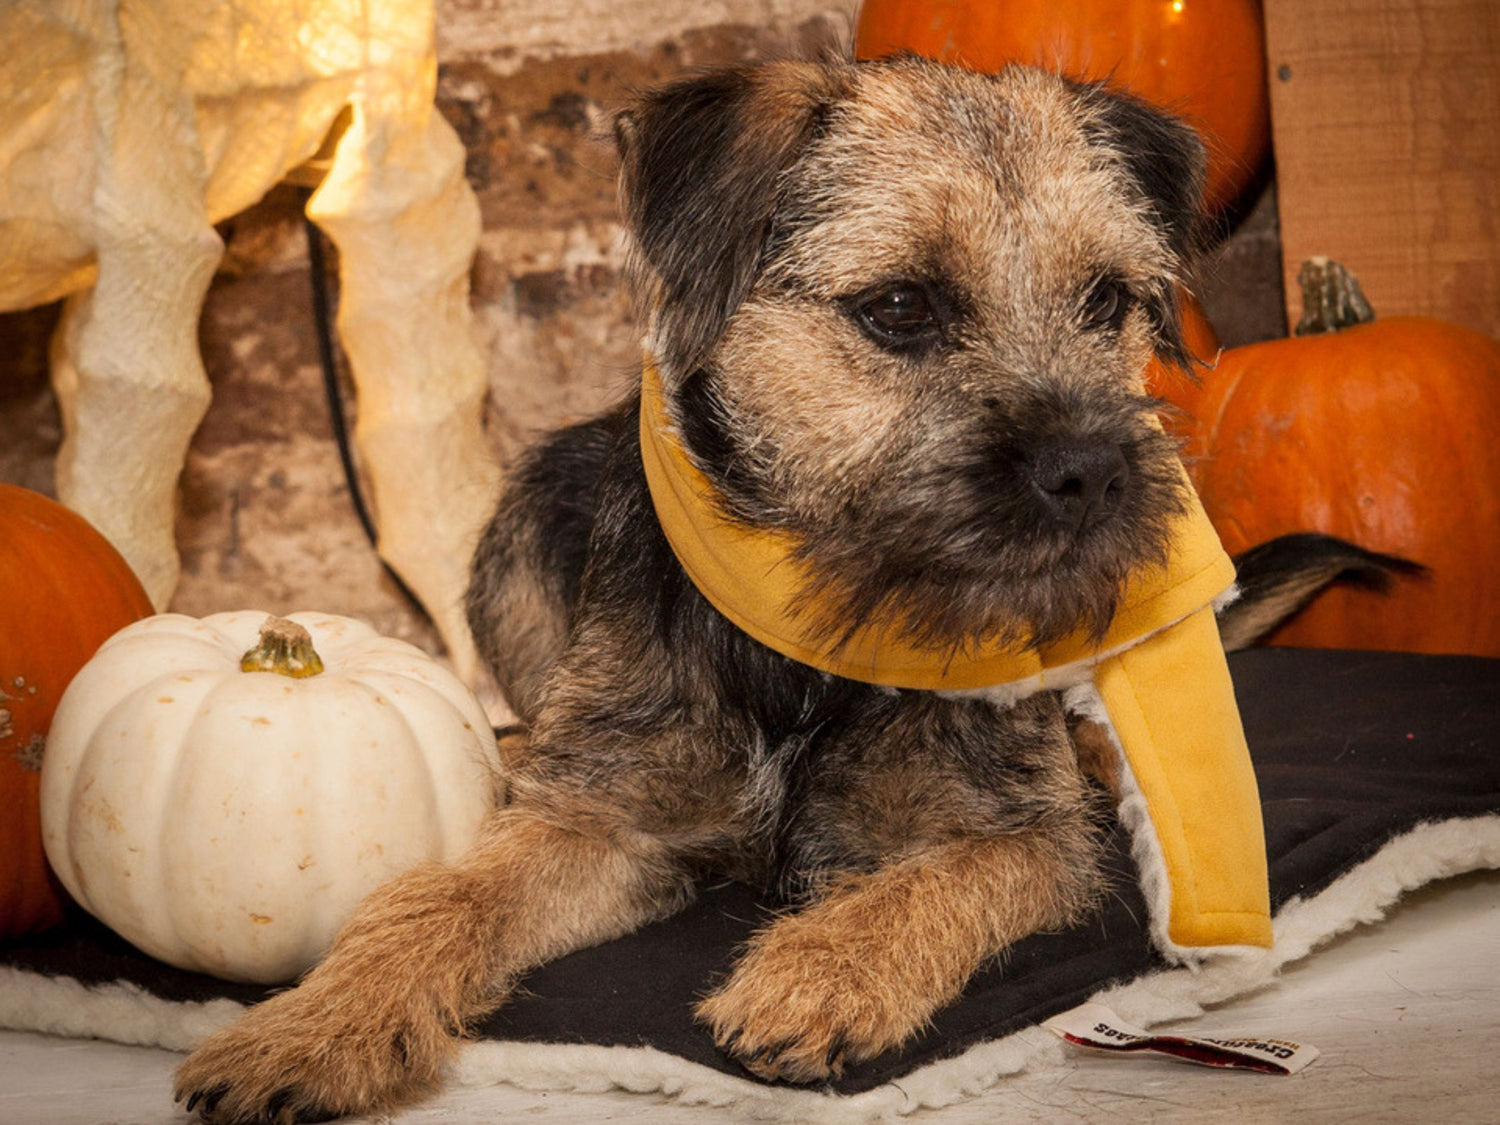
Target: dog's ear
{"x": 1164, "y": 161}
{"x": 702, "y": 162}
{"x": 1161, "y": 154}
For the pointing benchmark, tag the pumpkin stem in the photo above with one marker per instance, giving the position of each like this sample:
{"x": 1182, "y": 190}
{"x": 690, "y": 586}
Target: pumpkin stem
{"x": 285, "y": 648}
{"x": 1331, "y": 298}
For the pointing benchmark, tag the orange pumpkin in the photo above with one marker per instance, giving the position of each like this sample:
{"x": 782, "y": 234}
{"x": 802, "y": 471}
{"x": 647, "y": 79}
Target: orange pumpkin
{"x": 63, "y": 591}
{"x": 1203, "y": 59}
{"x": 1383, "y": 433}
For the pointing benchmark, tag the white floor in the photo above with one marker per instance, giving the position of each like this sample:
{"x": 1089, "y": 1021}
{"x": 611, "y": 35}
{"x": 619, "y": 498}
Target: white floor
{"x": 1405, "y": 1013}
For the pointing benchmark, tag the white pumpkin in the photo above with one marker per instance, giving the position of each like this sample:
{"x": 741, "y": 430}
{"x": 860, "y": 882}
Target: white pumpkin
{"x": 228, "y": 820}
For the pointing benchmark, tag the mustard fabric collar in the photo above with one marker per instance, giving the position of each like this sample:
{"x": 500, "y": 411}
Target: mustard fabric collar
{"x": 1160, "y": 672}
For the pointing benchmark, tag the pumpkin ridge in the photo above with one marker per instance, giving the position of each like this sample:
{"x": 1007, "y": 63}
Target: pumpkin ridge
{"x": 1221, "y": 407}
{"x": 168, "y": 790}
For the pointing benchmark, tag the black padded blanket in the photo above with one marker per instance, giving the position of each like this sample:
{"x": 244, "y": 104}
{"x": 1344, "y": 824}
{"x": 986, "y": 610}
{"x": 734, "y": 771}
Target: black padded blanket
{"x": 1353, "y": 752}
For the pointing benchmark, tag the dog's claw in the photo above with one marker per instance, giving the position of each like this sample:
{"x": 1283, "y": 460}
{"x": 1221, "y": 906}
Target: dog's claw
{"x": 769, "y": 1056}
{"x": 276, "y": 1106}
{"x": 206, "y": 1101}
{"x": 834, "y": 1059}
{"x": 211, "y": 1103}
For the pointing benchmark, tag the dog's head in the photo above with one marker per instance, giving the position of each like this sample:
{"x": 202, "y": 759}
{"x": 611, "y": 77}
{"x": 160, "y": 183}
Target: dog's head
{"x": 902, "y": 312}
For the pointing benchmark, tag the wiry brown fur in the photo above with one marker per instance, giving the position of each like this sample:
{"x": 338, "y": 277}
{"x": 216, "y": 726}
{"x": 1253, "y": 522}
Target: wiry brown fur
{"x": 990, "y": 466}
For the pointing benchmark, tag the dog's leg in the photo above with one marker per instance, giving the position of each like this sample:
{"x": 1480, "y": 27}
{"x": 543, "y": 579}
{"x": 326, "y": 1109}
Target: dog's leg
{"x": 434, "y": 949}
{"x": 864, "y": 968}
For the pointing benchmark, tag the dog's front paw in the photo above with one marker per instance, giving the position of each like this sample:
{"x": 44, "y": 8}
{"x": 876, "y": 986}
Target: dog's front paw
{"x": 797, "y": 1008}
{"x": 304, "y": 1056}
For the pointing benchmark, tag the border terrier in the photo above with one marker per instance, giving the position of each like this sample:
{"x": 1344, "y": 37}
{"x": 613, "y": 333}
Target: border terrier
{"x": 900, "y": 313}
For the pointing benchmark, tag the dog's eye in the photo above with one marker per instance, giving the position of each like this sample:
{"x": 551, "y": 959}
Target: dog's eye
{"x": 899, "y": 316}
{"x": 1106, "y": 305}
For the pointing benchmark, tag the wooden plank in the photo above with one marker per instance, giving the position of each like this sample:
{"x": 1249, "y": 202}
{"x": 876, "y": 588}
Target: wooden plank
{"x": 1386, "y": 125}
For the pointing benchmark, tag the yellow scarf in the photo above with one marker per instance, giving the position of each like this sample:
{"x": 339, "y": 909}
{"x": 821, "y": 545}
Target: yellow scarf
{"x": 1160, "y": 672}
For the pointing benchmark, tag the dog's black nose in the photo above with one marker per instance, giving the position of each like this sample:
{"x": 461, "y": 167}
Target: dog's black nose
{"x": 1080, "y": 480}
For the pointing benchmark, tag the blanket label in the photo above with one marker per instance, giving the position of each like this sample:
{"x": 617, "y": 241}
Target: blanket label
{"x": 1094, "y": 1025}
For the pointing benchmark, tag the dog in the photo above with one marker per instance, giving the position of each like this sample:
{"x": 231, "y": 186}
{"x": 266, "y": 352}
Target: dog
{"x": 899, "y": 315}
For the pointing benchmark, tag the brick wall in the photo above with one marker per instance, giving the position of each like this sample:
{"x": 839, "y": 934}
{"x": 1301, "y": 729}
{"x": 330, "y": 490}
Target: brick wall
{"x": 265, "y": 520}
